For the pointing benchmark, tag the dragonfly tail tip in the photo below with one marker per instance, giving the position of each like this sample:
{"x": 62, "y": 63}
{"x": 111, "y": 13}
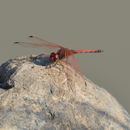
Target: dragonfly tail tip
{"x": 102, "y": 51}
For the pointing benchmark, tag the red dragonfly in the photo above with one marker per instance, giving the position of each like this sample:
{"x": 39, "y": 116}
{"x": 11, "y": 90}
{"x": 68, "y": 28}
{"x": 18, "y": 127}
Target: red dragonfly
{"x": 62, "y": 53}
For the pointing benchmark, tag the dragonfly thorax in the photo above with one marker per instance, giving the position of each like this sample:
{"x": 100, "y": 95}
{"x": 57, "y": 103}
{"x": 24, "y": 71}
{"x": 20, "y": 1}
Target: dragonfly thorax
{"x": 60, "y": 54}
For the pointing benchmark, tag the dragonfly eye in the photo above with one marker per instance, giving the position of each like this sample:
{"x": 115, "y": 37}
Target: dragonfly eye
{"x": 57, "y": 56}
{"x": 54, "y": 57}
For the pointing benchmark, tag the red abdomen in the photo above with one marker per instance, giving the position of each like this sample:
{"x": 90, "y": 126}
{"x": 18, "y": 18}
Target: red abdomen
{"x": 88, "y": 51}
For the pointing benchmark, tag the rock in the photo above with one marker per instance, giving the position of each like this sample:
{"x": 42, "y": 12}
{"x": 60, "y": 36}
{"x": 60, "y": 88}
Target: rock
{"x": 38, "y": 95}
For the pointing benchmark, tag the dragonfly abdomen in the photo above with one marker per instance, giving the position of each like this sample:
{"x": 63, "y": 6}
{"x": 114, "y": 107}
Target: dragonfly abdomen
{"x": 89, "y": 51}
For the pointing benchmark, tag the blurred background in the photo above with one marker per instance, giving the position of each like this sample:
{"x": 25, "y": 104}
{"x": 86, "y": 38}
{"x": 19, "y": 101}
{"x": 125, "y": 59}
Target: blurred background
{"x": 76, "y": 24}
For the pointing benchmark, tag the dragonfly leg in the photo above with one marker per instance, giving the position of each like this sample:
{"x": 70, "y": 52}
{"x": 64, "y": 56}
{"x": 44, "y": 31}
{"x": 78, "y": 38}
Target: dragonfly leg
{"x": 48, "y": 66}
{"x": 61, "y": 63}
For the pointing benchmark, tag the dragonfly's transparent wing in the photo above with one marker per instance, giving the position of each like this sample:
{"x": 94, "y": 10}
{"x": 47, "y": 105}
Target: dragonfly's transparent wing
{"x": 50, "y": 45}
{"x": 76, "y": 67}
{"x": 73, "y": 62}
{"x": 68, "y": 71}
{"x": 38, "y": 38}
{"x": 43, "y": 43}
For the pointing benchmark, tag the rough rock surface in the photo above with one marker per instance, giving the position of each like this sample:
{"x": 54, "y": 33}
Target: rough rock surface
{"x": 34, "y": 96}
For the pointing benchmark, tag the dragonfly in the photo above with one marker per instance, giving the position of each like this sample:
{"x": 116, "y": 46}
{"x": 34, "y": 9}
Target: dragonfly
{"x": 61, "y": 53}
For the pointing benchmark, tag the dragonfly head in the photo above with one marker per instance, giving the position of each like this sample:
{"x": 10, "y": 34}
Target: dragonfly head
{"x": 54, "y": 57}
